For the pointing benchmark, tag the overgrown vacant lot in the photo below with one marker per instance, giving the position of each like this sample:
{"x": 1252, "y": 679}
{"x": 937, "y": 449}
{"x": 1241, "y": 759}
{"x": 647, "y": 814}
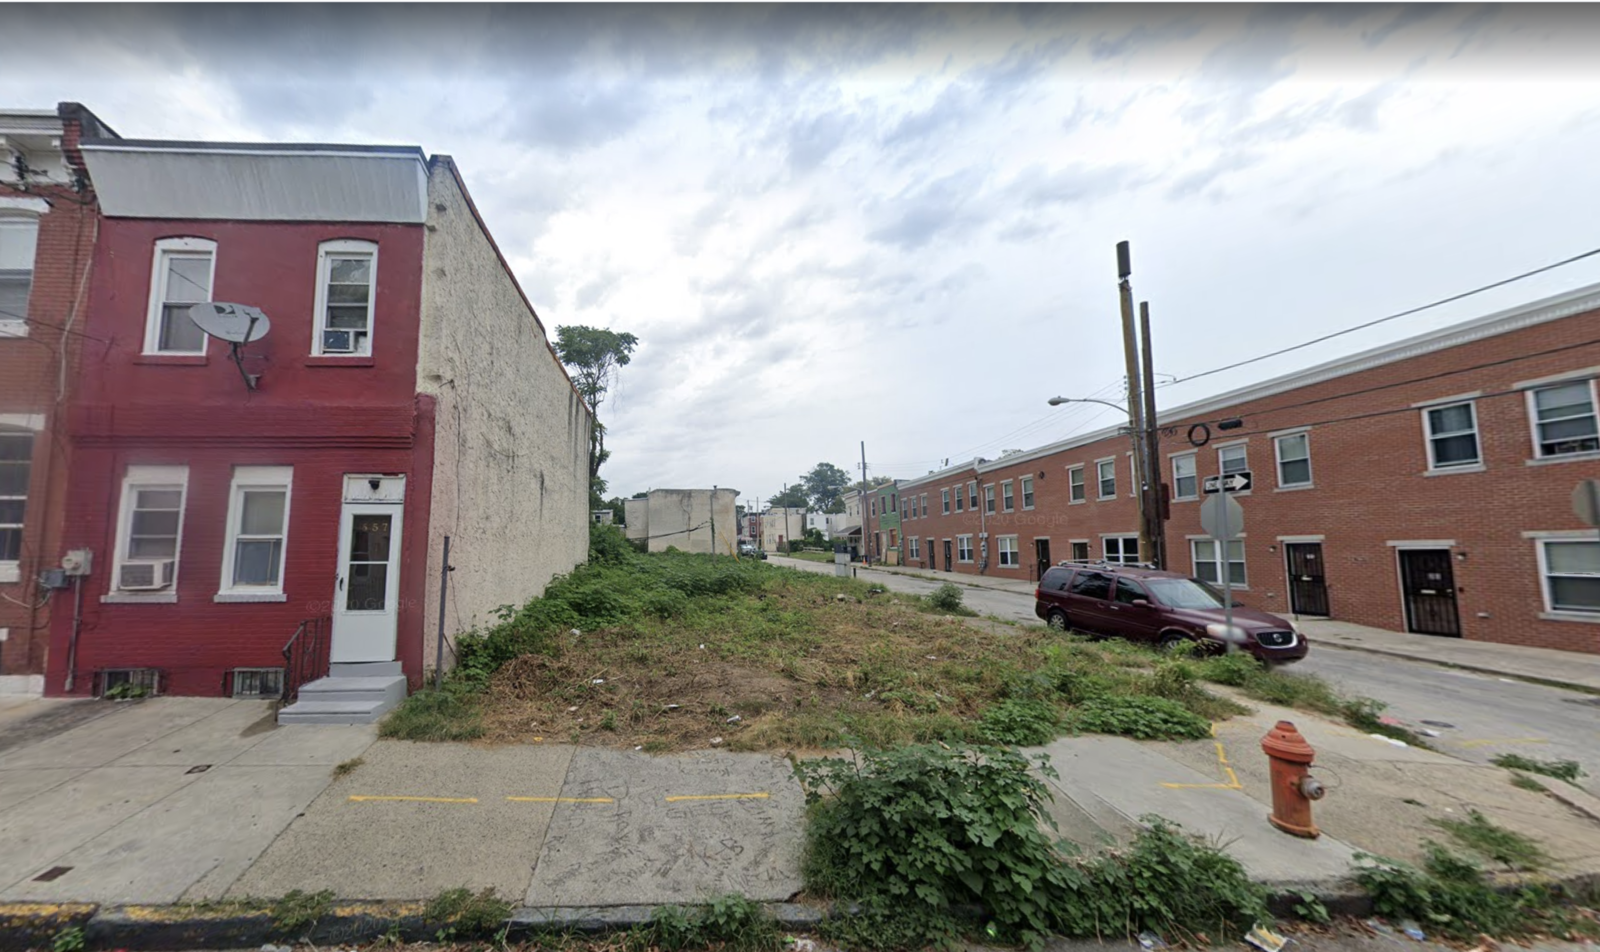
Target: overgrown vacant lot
{"x": 673, "y": 651}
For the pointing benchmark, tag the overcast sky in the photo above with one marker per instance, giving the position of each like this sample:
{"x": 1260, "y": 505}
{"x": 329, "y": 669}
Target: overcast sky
{"x": 897, "y": 224}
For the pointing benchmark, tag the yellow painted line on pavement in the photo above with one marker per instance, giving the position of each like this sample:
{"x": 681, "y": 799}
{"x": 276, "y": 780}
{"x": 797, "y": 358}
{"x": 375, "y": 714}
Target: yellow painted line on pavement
{"x": 1222, "y": 759}
{"x": 363, "y": 799}
{"x": 561, "y": 800}
{"x": 1504, "y": 740}
{"x": 720, "y": 796}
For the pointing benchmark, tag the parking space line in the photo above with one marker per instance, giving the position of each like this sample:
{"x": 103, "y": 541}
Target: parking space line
{"x": 1222, "y": 759}
{"x": 362, "y": 799}
{"x": 561, "y": 799}
{"x": 720, "y": 796}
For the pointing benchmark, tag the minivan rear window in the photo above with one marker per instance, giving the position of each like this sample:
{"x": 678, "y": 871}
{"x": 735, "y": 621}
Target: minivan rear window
{"x": 1092, "y": 585}
{"x": 1055, "y": 580}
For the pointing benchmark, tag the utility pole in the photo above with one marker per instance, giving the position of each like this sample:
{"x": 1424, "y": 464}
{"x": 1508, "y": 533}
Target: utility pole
{"x": 1130, "y": 350}
{"x": 866, "y": 549}
{"x": 1155, "y": 509}
{"x": 713, "y": 518}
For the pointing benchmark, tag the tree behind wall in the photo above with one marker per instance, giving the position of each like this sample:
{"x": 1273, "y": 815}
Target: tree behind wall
{"x": 825, "y": 486}
{"x": 592, "y": 355}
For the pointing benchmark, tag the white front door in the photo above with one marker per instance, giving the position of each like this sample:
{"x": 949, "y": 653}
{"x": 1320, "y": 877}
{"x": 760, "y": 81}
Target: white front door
{"x": 366, "y": 592}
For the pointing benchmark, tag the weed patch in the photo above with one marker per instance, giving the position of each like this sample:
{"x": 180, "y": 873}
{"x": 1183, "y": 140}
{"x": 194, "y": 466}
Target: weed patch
{"x": 1303, "y": 691}
{"x": 1021, "y": 722}
{"x": 1451, "y": 896}
{"x": 298, "y": 911}
{"x": 1567, "y": 770}
{"x": 452, "y": 712}
{"x": 730, "y": 922}
{"x": 1491, "y": 841}
{"x": 460, "y": 913}
{"x": 1143, "y": 717}
{"x": 1524, "y": 782}
{"x": 945, "y": 598}
{"x": 347, "y": 767}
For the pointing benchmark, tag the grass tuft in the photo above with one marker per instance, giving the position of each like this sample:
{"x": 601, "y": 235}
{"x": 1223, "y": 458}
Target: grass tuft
{"x": 1492, "y": 841}
{"x": 1568, "y": 770}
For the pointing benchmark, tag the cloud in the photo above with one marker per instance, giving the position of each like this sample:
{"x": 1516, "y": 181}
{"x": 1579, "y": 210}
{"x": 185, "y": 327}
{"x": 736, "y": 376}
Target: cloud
{"x": 918, "y": 215}
{"x": 578, "y": 112}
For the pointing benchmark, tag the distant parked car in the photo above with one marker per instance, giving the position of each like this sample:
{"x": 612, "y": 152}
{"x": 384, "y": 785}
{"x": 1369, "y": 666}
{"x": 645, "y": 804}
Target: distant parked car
{"x": 1159, "y": 608}
{"x": 750, "y": 549}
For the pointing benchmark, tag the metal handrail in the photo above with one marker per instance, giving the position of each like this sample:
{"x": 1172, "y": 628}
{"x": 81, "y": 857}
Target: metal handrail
{"x": 304, "y": 658}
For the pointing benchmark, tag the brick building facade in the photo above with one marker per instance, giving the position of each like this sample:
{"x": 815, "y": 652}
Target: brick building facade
{"x": 47, "y": 232}
{"x": 1424, "y": 486}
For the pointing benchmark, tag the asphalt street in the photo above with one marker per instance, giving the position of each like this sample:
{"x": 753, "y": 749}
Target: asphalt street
{"x": 1476, "y": 716}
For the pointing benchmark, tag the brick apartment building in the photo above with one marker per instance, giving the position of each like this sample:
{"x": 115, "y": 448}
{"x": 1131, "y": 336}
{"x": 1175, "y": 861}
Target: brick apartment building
{"x": 47, "y": 233}
{"x": 1425, "y": 486}
{"x": 297, "y": 491}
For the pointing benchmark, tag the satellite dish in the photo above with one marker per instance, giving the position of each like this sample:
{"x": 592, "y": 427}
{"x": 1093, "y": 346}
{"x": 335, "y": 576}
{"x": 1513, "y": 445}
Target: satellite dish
{"x": 235, "y": 323}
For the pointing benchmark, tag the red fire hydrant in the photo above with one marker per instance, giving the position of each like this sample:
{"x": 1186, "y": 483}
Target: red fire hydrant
{"x": 1293, "y": 788}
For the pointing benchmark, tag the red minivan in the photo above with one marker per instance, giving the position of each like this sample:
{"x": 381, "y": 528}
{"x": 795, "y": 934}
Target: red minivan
{"x": 1159, "y": 608}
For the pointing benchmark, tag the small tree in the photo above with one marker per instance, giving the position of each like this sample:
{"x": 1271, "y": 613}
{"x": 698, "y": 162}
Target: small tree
{"x": 825, "y": 486}
{"x": 592, "y": 355}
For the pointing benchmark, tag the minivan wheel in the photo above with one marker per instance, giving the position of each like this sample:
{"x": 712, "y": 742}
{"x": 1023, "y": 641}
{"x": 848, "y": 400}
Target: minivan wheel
{"x": 1172, "y": 639}
{"x": 1057, "y": 620}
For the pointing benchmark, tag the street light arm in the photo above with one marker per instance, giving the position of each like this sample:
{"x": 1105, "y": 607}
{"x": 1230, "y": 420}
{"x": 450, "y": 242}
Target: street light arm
{"x": 1058, "y": 401}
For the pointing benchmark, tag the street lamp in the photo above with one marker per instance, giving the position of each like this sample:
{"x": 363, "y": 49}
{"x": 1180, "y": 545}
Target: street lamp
{"x": 1058, "y": 401}
{"x": 1142, "y": 481}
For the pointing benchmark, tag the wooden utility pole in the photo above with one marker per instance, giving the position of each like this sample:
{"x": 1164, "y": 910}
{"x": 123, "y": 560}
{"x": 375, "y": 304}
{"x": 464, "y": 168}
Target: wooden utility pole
{"x": 1155, "y": 510}
{"x": 866, "y": 551}
{"x": 1130, "y": 350}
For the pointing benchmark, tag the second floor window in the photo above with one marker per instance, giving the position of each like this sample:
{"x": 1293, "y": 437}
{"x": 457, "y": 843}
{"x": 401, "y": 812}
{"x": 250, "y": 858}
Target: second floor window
{"x": 1185, "y": 483}
{"x": 1452, "y": 435}
{"x": 182, "y": 276}
{"x": 19, "y": 238}
{"x": 1108, "y": 478}
{"x": 1007, "y": 500}
{"x": 1564, "y": 419}
{"x": 346, "y": 277}
{"x": 988, "y": 499}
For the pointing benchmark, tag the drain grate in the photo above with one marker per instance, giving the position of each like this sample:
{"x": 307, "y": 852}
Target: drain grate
{"x": 52, "y": 874}
{"x": 200, "y": 769}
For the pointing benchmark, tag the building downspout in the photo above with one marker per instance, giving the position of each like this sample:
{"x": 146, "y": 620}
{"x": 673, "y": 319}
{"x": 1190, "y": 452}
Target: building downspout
{"x": 77, "y": 622}
{"x": 983, "y": 523}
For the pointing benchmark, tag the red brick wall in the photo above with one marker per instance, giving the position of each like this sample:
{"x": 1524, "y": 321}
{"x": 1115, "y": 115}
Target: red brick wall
{"x": 29, "y": 379}
{"x": 1369, "y": 489}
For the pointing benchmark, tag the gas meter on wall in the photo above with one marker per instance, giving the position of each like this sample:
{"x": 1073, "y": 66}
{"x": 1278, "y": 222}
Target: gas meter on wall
{"x": 77, "y": 562}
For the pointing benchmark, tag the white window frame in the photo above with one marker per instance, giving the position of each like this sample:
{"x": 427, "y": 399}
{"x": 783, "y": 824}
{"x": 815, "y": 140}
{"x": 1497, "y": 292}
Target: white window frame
{"x": 343, "y": 248}
{"x": 1243, "y": 447}
{"x": 11, "y": 569}
{"x": 1011, "y": 550}
{"x": 964, "y": 545}
{"x": 944, "y": 495}
{"x": 972, "y": 496}
{"x": 1428, "y": 436}
{"x": 1551, "y": 612}
{"x": 1194, "y": 473}
{"x": 20, "y": 217}
{"x": 1008, "y": 499}
{"x": 1122, "y": 540}
{"x": 1082, "y": 485}
{"x": 924, "y": 500}
{"x": 1277, "y": 451}
{"x": 988, "y": 499}
{"x": 1027, "y": 492}
{"x": 1072, "y": 547}
{"x": 148, "y": 478}
{"x": 916, "y": 547}
{"x": 166, "y": 249}
{"x": 1217, "y": 567}
{"x": 255, "y": 479}
{"x": 1533, "y": 420}
{"x": 1100, "y": 480}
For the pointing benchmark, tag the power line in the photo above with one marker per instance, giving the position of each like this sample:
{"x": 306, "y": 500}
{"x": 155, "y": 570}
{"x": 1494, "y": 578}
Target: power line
{"x": 1350, "y": 330}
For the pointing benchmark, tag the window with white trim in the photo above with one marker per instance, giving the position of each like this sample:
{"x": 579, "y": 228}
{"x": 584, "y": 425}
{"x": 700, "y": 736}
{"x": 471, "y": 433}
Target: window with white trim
{"x": 1122, "y": 550}
{"x": 1027, "y": 492}
{"x": 258, "y": 529}
{"x": 972, "y": 496}
{"x": 1010, "y": 556}
{"x": 1106, "y": 470}
{"x": 924, "y": 500}
{"x": 1564, "y": 419}
{"x": 347, "y": 273}
{"x": 1185, "y": 478}
{"x": 1207, "y": 567}
{"x": 1075, "y": 488}
{"x": 1233, "y": 459}
{"x": 988, "y": 499}
{"x": 180, "y": 276}
{"x": 964, "y": 548}
{"x": 945, "y": 496}
{"x": 150, "y": 529}
{"x": 916, "y": 546}
{"x": 1080, "y": 551}
{"x": 960, "y": 504}
{"x": 1007, "y": 499}
{"x": 1452, "y": 432}
{"x": 1571, "y": 569}
{"x": 16, "y": 469}
{"x": 1294, "y": 459}
{"x": 19, "y": 243}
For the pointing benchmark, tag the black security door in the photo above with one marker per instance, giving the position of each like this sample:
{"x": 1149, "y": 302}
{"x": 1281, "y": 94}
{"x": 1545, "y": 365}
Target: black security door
{"x": 1041, "y": 552}
{"x": 1428, "y": 586}
{"x": 947, "y": 558}
{"x": 1308, "y": 588}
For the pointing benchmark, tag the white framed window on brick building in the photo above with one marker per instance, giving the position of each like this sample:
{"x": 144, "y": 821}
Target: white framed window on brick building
{"x": 959, "y": 499}
{"x": 1185, "y": 477}
{"x": 944, "y": 495}
{"x": 964, "y": 548}
{"x": 1570, "y": 572}
{"x": 1207, "y": 561}
{"x": 924, "y": 501}
{"x": 1080, "y": 550}
{"x": 1293, "y": 451}
{"x": 1564, "y": 419}
{"x": 916, "y": 546}
{"x": 347, "y": 278}
{"x": 1076, "y": 492}
{"x": 149, "y": 533}
{"x": 1233, "y": 458}
{"x": 1452, "y": 434}
{"x": 1027, "y": 492}
{"x": 1120, "y": 549}
{"x": 19, "y": 245}
{"x": 16, "y": 470}
{"x": 181, "y": 275}
{"x": 258, "y": 533}
{"x": 1010, "y": 555}
{"x": 988, "y": 499}
{"x": 1007, "y": 500}
{"x": 1106, "y": 473}
{"x": 972, "y": 496}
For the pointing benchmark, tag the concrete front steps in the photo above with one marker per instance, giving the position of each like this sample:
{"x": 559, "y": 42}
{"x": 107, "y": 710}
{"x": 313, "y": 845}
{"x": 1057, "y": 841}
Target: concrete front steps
{"x": 350, "y": 694}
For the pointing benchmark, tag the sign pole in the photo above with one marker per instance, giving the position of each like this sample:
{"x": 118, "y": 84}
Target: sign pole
{"x": 1227, "y": 572}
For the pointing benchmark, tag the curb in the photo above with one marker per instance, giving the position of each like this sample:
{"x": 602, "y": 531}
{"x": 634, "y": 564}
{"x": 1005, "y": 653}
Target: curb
{"x": 1459, "y": 666}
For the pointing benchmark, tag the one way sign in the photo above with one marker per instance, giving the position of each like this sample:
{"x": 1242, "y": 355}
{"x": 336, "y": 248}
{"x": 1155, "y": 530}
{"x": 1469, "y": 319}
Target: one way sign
{"x": 1233, "y": 483}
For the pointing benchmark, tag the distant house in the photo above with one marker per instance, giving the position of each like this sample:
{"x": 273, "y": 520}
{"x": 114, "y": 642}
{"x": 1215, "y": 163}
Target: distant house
{"x": 689, "y": 520}
{"x": 274, "y": 511}
{"x": 780, "y": 526}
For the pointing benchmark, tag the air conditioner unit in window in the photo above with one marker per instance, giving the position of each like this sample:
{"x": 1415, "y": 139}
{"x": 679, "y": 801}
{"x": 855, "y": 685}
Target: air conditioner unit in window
{"x": 145, "y": 576}
{"x": 338, "y": 342}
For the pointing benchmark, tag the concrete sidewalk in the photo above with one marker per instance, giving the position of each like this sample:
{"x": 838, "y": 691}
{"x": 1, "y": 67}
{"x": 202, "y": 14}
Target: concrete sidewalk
{"x": 1567, "y": 669}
